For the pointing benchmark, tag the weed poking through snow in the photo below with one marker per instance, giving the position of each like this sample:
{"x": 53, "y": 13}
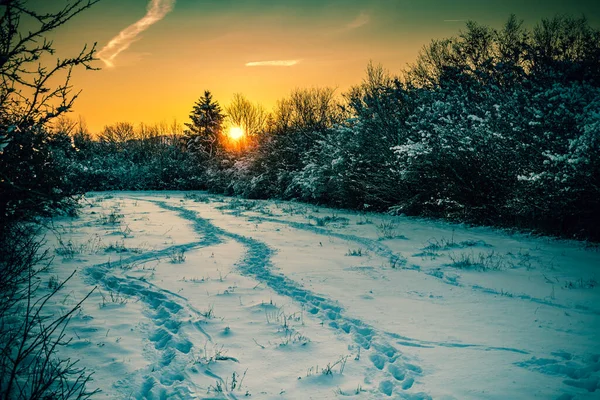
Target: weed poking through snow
{"x": 356, "y": 252}
{"x": 491, "y": 261}
{"x": 386, "y": 230}
{"x": 177, "y": 256}
{"x": 116, "y": 298}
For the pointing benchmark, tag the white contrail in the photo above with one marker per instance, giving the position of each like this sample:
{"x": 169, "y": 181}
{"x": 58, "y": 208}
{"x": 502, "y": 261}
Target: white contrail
{"x": 157, "y": 9}
{"x": 275, "y": 63}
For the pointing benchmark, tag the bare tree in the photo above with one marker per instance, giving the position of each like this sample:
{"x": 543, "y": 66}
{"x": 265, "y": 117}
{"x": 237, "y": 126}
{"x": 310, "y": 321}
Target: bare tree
{"x": 27, "y": 94}
{"x": 64, "y": 125}
{"x": 147, "y": 131}
{"x": 430, "y": 64}
{"x": 314, "y": 108}
{"x": 176, "y": 128}
{"x": 308, "y": 110}
{"x": 120, "y": 132}
{"x": 252, "y": 118}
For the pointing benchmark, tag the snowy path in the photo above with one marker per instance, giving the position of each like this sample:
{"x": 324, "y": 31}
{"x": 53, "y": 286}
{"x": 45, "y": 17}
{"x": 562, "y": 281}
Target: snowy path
{"x": 215, "y": 297}
{"x": 257, "y": 263}
{"x": 384, "y": 251}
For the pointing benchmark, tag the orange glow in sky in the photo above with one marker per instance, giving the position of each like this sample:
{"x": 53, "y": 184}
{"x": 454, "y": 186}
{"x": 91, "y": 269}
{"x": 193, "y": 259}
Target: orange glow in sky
{"x": 157, "y": 57}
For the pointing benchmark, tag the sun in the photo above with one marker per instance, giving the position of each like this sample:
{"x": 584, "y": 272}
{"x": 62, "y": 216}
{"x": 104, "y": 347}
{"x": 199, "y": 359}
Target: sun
{"x": 235, "y": 132}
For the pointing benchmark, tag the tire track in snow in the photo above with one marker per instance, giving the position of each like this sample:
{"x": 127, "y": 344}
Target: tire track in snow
{"x": 397, "y": 375}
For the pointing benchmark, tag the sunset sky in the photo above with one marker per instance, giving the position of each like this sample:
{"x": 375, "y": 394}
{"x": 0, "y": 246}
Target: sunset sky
{"x": 169, "y": 52}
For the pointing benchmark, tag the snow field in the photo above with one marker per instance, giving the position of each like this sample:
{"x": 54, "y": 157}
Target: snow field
{"x": 203, "y": 296}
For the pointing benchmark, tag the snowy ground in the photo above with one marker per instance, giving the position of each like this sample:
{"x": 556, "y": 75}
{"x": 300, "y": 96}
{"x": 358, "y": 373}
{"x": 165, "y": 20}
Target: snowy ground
{"x": 201, "y": 296}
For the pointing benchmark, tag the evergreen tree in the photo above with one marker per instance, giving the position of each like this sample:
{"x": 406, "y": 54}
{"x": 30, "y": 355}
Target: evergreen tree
{"x": 207, "y": 121}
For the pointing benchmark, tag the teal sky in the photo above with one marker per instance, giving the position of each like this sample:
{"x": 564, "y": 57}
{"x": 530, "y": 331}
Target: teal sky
{"x": 206, "y": 44}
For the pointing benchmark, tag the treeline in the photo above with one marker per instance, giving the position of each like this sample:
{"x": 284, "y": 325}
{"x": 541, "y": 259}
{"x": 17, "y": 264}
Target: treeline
{"x": 498, "y": 127}
{"x": 128, "y": 157}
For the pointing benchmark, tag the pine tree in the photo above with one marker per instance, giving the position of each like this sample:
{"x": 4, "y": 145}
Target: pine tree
{"x": 203, "y": 132}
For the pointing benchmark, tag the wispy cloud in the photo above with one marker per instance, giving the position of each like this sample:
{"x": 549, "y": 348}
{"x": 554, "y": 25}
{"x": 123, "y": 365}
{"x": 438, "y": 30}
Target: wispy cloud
{"x": 361, "y": 20}
{"x": 157, "y": 9}
{"x": 274, "y": 63}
